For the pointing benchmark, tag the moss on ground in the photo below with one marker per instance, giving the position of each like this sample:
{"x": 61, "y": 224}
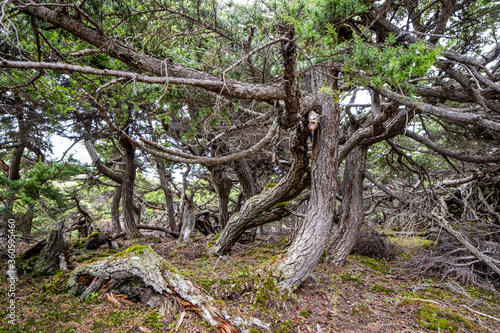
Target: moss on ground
{"x": 357, "y": 297}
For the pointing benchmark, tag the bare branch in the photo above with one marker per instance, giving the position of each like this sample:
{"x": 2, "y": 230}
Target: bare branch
{"x": 447, "y": 152}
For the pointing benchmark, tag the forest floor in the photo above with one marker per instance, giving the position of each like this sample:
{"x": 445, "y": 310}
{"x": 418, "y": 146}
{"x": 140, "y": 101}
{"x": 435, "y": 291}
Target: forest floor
{"x": 366, "y": 295}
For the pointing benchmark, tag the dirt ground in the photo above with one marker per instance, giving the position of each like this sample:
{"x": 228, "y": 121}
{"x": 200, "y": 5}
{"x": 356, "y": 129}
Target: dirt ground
{"x": 366, "y": 295}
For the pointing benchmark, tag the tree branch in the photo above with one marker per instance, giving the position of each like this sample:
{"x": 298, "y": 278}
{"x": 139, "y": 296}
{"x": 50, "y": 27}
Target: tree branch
{"x": 447, "y": 152}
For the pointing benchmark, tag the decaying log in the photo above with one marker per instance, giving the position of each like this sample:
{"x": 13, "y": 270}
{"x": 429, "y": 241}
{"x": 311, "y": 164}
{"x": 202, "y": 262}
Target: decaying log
{"x": 152, "y": 227}
{"x": 141, "y": 262}
{"x": 93, "y": 241}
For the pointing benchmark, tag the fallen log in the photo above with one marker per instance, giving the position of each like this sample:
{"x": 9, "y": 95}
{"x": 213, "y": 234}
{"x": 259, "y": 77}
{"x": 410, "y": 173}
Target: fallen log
{"x": 151, "y": 227}
{"x": 141, "y": 262}
{"x": 93, "y": 241}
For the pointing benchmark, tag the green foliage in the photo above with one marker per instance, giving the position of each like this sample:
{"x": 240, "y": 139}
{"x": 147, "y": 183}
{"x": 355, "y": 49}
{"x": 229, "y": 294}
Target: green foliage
{"x": 392, "y": 64}
{"x": 351, "y": 277}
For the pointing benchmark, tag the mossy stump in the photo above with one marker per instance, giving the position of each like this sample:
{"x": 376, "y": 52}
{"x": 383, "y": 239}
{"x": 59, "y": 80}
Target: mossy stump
{"x": 142, "y": 263}
{"x": 45, "y": 256}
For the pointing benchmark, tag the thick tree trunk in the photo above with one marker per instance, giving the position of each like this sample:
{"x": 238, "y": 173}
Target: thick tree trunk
{"x": 127, "y": 188}
{"x": 115, "y": 211}
{"x": 49, "y": 254}
{"x": 169, "y": 198}
{"x": 346, "y": 232}
{"x": 311, "y": 240}
{"x": 244, "y": 173}
{"x": 288, "y": 188}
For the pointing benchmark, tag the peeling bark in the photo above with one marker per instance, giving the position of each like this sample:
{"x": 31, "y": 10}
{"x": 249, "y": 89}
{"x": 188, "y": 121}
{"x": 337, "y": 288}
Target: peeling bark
{"x": 188, "y": 222}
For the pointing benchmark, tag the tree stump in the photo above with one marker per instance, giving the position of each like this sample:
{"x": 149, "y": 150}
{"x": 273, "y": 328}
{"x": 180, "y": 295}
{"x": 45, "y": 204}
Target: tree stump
{"x": 141, "y": 262}
{"x": 46, "y": 255}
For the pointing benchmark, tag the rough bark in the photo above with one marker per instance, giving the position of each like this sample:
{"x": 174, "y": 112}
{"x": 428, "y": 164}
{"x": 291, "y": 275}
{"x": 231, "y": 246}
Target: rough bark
{"x": 188, "y": 221}
{"x": 223, "y": 186}
{"x": 351, "y": 218}
{"x": 249, "y": 188}
{"x": 27, "y": 220}
{"x": 169, "y": 198}
{"x": 143, "y": 263}
{"x": 127, "y": 188}
{"x": 47, "y": 255}
{"x": 115, "y": 211}
{"x": 311, "y": 240}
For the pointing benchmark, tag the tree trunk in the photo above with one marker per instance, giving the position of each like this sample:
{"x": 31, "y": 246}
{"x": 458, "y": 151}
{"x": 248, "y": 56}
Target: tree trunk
{"x": 27, "y": 221}
{"x": 115, "y": 211}
{"x": 188, "y": 222}
{"x": 288, "y": 188}
{"x": 182, "y": 202}
{"x": 85, "y": 223}
{"x": 346, "y": 232}
{"x": 52, "y": 255}
{"x": 13, "y": 174}
{"x": 127, "y": 188}
{"x": 223, "y": 186}
{"x": 169, "y": 198}
{"x": 311, "y": 240}
{"x": 249, "y": 187}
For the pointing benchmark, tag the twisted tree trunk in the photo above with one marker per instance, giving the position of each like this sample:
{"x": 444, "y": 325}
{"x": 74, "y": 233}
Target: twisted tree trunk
{"x": 311, "y": 240}
{"x": 346, "y": 232}
{"x": 115, "y": 211}
{"x": 223, "y": 186}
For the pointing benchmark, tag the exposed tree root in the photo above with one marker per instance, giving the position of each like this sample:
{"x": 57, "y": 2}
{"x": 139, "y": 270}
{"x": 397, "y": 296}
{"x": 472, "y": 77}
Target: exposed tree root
{"x": 142, "y": 263}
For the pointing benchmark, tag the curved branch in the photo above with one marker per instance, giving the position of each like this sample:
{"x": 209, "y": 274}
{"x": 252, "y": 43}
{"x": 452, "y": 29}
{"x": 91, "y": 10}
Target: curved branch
{"x": 98, "y": 163}
{"x": 137, "y": 59}
{"x": 247, "y": 153}
{"x": 447, "y": 152}
{"x": 452, "y": 115}
{"x": 212, "y": 85}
